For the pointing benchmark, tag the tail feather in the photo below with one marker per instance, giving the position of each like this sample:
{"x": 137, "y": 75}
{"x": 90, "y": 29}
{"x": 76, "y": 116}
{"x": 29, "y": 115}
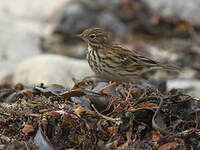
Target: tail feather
{"x": 170, "y": 68}
{"x": 165, "y": 67}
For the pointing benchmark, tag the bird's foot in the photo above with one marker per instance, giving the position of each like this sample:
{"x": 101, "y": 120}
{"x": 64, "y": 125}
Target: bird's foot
{"x": 129, "y": 92}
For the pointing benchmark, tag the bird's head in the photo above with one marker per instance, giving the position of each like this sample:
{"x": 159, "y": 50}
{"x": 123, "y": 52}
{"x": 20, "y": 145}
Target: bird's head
{"x": 95, "y": 37}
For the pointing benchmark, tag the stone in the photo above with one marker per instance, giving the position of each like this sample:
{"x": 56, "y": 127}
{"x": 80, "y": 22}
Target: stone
{"x": 17, "y": 42}
{"x": 186, "y": 9}
{"x": 33, "y": 10}
{"x": 77, "y": 15}
{"x": 183, "y": 84}
{"x": 51, "y": 69}
{"x": 22, "y": 24}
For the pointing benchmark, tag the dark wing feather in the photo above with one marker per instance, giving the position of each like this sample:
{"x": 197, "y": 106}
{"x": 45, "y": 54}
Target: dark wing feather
{"x": 131, "y": 59}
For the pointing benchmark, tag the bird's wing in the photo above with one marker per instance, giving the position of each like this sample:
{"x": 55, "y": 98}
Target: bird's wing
{"x": 130, "y": 63}
{"x": 129, "y": 58}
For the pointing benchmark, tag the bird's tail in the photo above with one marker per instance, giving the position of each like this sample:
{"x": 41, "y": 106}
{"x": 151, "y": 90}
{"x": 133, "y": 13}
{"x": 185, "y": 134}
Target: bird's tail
{"x": 166, "y": 67}
{"x": 170, "y": 68}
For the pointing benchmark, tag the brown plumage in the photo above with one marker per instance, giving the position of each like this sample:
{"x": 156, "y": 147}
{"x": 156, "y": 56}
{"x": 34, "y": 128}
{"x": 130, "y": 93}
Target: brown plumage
{"x": 112, "y": 61}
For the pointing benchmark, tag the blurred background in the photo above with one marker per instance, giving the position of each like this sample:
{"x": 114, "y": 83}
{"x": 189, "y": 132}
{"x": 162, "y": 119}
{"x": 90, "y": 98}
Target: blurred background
{"x": 37, "y": 41}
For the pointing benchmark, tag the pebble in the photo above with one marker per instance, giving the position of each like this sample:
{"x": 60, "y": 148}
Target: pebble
{"x": 51, "y": 69}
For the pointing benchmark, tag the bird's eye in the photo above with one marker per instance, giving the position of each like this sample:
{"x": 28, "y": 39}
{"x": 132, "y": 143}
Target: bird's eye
{"x": 92, "y": 36}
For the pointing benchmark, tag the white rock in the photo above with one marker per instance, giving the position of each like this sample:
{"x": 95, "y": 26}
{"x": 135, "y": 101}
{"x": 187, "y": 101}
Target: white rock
{"x": 187, "y": 74}
{"x": 51, "y": 69}
{"x": 22, "y": 23}
{"x": 17, "y": 42}
{"x": 183, "y": 84}
{"x": 191, "y": 86}
{"x": 31, "y": 9}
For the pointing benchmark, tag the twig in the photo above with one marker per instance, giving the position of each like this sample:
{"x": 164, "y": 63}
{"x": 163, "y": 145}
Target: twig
{"x": 109, "y": 105}
{"x": 116, "y": 120}
{"x": 143, "y": 99}
{"x": 154, "y": 124}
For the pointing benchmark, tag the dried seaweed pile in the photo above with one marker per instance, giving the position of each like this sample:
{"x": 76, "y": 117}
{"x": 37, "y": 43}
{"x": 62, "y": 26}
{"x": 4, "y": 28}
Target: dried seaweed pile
{"x": 131, "y": 116}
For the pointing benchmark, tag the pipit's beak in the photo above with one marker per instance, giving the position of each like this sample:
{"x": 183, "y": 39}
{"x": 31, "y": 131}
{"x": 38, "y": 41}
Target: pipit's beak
{"x": 79, "y": 36}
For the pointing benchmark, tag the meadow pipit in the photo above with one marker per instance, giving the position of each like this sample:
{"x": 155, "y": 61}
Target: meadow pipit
{"x": 114, "y": 62}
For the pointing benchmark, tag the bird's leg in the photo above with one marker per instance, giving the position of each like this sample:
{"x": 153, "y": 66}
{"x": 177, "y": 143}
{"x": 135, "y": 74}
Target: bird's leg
{"x": 129, "y": 92}
{"x": 106, "y": 87}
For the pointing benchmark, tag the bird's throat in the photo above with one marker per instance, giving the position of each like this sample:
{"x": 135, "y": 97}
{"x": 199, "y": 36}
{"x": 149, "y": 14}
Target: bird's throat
{"x": 90, "y": 48}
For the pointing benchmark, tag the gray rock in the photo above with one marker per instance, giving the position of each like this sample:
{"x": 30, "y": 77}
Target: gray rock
{"x": 187, "y": 9}
{"x": 77, "y": 15}
{"x": 51, "y": 69}
{"x": 17, "y": 42}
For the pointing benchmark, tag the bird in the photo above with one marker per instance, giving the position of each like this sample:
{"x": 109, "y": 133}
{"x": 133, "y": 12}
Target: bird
{"x": 115, "y": 62}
